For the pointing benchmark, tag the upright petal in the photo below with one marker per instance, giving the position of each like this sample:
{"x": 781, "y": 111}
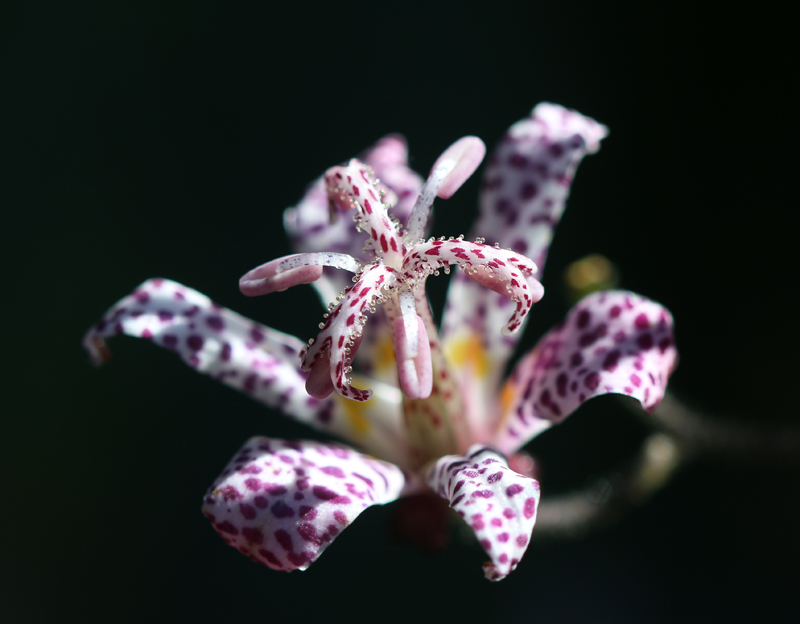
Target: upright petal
{"x": 524, "y": 192}
{"x": 282, "y": 503}
{"x": 259, "y": 361}
{"x": 611, "y": 342}
{"x": 497, "y": 503}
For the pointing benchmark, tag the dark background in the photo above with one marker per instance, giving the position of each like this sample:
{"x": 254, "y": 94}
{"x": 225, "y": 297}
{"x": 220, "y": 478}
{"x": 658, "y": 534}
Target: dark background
{"x": 165, "y": 139}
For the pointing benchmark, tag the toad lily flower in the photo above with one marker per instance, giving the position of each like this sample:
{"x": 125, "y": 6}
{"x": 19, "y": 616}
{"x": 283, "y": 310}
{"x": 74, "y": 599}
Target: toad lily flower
{"x": 430, "y": 413}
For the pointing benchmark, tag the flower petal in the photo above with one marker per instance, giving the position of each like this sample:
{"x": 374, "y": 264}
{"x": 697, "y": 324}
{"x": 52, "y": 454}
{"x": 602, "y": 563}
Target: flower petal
{"x": 259, "y": 361}
{"x": 529, "y": 175}
{"x": 355, "y": 186}
{"x": 499, "y": 504}
{"x": 525, "y": 187}
{"x": 282, "y": 503}
{"x": 344, "y": 326}
{"x": 503, "y": 271}
{"x": 611, "y": 342}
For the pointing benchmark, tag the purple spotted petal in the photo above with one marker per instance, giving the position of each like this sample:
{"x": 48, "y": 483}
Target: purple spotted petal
{"x": 611, "y": 342}
{"x": 282, "y": 503}
{"x": 524, "y": 192}
{"x": 499, "y": 504}
{"x": 245, "y": 355}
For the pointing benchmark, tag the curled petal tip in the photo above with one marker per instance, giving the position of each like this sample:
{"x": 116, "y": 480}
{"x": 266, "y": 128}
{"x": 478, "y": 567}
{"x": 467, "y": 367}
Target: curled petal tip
{"x": 414, "y": 366}
{"x": 266, "y": 279}
{"x": 462, "y": 159}
{"x": 318, "y": 383}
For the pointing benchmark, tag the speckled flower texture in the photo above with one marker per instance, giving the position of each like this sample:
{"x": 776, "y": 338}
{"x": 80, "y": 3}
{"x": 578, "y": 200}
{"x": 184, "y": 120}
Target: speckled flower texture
{"x": 421, "y": 408}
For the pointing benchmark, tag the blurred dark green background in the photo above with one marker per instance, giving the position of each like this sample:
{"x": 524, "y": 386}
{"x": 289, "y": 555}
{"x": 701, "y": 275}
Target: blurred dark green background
{"x": 165, "y": 139}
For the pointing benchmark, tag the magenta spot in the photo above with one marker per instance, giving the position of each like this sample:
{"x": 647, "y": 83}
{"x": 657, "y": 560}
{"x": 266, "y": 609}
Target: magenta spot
{"x": 251, "y": 469}
{"x": 281, "y": 510}
{"x": 665, "y": 344}
{"x": 522, "y": 540}
{"x": 324, "y": 493}
{"x": 270, "y": 557}
{"x": 497, "y": 522}
{"x": 216, "y": 323}
{"x": 248, "y": 511}
{"x": 641, "y": 321}
{"x": 230, "y": 493}
{"x": 503, "y": 537}
{"x": 165, "y": 315}
{"x": 592, "y": 381}
{"x": 615, "y": 311}
{"x": 227, "y": 527}
{"x": 284, "y": 539}
{"x": 300, "y": 559}
{"x": 561, "y": 384}
{"x": 509, "y": 513}
{"x": 260, "y": 502}
{"x": 253, "y": 483}
{"x": 307, "y": 531}
{"x": 340, "y": 517}
{"x": 583, "y": 319}
{"x": 636, "y": 380}
{"x": 645, "y": 341}
{"x": 529, "y": 510}
{"x": 256, "y": 335}
{"x": 503, "y": 558}
{"x": 611, "y": 360}
{"x": 482, "y": 494}
{"x": 334, "y": 471}
{"x": 274, "y": 489}
{"x": 486, "y": 544}
{"x": 513, "y": 490}
{"x": 195, "y": 342}
{"x": 494, "y": 478}
{"x": 576, "y": 359}
{"x": 457, "y": 500}
{"x": 309, "y": 513}
{"x": 478, "y": 524}
{"x": 459, "y": 485}
{"x": 254, "y": 536}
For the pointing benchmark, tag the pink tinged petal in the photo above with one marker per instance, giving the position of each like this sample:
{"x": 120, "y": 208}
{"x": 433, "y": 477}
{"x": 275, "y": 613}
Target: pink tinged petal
{"x": 456, "y": 164}
{"x": 288, "y": 271}
{"x": 611, "y": 342}
{"x": 503, "y": 271}
{"x": 414, "y": 367}
{"x": 282, "y": 503}
{"x": 466, "y": 154}
{"x": 342, "y": 331}
{"x": 215, "y": 341}
{"x": 355, "y": 187}
{"x": 524, "y": 192}
{"x": 497, "y": 503}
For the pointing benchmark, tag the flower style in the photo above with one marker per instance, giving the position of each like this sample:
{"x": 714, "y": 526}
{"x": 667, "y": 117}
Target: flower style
{"x": 435, "y": 410}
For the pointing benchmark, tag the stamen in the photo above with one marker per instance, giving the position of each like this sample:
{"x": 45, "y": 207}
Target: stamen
{"x": 288, "y": 271}
{"x": 457, "y": 163}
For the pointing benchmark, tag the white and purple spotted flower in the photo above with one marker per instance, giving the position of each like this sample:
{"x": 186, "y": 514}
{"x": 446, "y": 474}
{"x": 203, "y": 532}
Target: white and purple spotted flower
{"x": 433, "y": 407}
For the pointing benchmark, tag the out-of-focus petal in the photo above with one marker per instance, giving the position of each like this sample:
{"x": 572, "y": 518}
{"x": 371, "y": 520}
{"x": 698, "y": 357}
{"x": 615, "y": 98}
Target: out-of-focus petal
{"x": 529, "y": 175}
{"x": 499, "y": 504}
{"x": 524, "y": 191}
{"x": 282, "y": 503}
{"x": 259, "y": 361}
{"x": 611, "y": 342}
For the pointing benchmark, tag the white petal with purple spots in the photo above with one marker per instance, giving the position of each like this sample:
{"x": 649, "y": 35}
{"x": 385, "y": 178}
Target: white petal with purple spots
{"x": 282, "y": 503}
{"x": 611, "y": 342}
{"x": 496, "y": 502}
